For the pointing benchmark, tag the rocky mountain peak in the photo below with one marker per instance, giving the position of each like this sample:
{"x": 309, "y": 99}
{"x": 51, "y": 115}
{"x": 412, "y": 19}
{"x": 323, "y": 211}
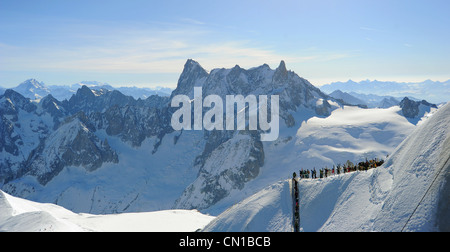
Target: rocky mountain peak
{"x": 281, "y": 73}
{"x": 15, "y": 96}
{"x": 85, "y": 91}
{"x": 192, "y": 72}
{"x": 32, "y": 89}
{"x": 16, "y": 100}
{"x": 411, "y": 109}
{"x": 282, "y": 66}
{"x": 32, "y": 83}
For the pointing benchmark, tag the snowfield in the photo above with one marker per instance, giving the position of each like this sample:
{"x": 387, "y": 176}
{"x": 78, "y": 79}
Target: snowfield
{"x": 352, "y": 132}
{"x": 410, "y": 192}
{"x": 20, "y": 215}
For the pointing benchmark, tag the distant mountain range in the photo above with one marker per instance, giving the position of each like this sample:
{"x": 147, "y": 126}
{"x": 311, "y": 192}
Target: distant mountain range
{"x": 368, "y": 100}
{"x": 34, "y": 89}
{"x": 432, "y": 91}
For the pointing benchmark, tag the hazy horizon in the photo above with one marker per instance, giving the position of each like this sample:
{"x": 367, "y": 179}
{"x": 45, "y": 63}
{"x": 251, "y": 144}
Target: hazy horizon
{"x": 146, "y": 43}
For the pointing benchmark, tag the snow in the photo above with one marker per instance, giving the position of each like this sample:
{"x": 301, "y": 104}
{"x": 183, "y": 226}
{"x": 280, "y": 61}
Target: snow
{"x": 350, "y": 129}
{"x": 159, "y": 221}
{"x": 408, "y": 193}
{"x": 20, "y": 215}
{"x": 269, "y": 210}
{"x": 140, "y": 182}
{"x": 418, "y": 168}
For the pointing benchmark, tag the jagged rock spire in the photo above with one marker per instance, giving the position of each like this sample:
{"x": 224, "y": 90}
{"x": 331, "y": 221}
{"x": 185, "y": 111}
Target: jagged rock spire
{"x": 191, "y": 73}
{"x": 281, "y": 72}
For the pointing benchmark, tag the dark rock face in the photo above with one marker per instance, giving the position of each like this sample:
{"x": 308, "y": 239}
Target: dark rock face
{"x": 135, "y": 123}
{"x": 69, "y": 139}
{"x": 192, "y": 73}
{"x": 73, "y": 144}
{"x": 411, "y": 109}
{"x": 224, "y": 168}
{"x": 88, "y": 100}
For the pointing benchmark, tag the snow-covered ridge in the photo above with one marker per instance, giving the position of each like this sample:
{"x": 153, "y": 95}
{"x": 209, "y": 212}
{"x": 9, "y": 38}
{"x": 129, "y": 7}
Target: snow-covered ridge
{"x": 19, "y": 215}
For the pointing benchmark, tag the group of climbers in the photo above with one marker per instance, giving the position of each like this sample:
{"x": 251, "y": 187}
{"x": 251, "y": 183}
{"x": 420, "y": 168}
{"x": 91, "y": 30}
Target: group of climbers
{"x": 326, "y": 172}
{"x": 336, "y": 170}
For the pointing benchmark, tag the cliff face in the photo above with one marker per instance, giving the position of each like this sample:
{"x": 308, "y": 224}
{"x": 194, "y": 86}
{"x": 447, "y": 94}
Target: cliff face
{"x": 414, "y": 109}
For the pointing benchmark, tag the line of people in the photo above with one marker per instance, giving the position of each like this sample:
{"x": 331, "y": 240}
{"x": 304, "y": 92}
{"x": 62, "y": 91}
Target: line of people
{"x": 325, "y": 172}
{"x": 295, "y": 203}
{"x": 336, "y": 170}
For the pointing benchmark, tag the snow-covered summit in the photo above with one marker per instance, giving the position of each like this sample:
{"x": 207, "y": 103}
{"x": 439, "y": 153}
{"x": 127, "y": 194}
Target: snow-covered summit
{"x": 32, "y": 89}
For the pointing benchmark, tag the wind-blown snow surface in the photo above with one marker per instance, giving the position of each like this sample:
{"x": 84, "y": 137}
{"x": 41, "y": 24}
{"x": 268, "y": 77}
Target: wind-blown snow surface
{"x": 368, "y": 133}
{"x": 20, "y": 215}
{"x": 410, "y": 192}
{"x": 269, "y": 210}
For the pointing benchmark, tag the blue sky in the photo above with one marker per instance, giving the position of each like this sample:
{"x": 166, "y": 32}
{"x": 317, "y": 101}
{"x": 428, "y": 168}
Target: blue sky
{"x": 146, "y": 43}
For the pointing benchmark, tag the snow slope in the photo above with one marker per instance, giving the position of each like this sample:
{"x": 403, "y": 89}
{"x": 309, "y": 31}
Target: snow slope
{"x": 269, "y": 210}
{"x": 19, "y": 215}
{"x": 410, "y": 192}
{"x": 418, "y": 199}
